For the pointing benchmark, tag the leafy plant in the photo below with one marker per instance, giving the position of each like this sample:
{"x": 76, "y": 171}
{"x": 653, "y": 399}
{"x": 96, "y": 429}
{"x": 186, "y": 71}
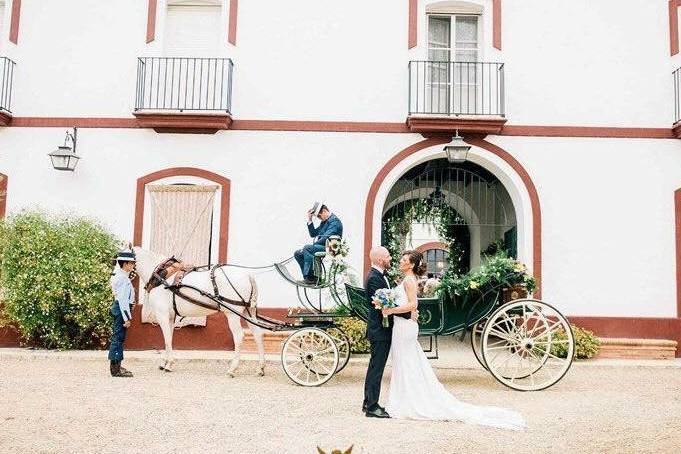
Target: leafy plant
{"x": 587, "y": 344}
{"x": 356, "y": 330}
{"x": 498, "y": 270}
{"x": 396, "y": 228}
{"x": 54, "y": 279}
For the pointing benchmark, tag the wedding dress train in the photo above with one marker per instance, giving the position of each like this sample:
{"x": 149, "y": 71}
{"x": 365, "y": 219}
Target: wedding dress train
{"x": 416, "y": 393}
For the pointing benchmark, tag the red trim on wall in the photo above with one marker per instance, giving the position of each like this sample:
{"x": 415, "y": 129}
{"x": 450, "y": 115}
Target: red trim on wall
{"x": 587, "y": 131}
{"x": 674, "y": 26}
{"x": 413, "y": 23}
{"x": 233, "y": 9}
{"x": 355, "y": 126}
{"x": 14, "y": 22}
{"x": 496, "y": 24}
{"x": 80, "y": 122}
{"x": 3, "y": 199}
{"x": 185, "y": 171}
{"x": 151, "y": 20}
{"x": 320, "y": 126}
{"x": 433, "y": 245}
{"x": 510, "y": 160}
{"x": 677, "y": 218}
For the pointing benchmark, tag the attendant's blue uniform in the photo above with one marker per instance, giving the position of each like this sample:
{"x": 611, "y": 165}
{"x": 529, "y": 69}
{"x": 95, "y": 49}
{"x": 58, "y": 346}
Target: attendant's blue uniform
{"x": 121, "y": 309}
{"x": 305, "y": 256}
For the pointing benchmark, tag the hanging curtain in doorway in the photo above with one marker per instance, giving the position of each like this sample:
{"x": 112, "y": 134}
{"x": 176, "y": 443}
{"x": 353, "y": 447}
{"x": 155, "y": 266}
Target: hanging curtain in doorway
{"x": 181, "y": 219}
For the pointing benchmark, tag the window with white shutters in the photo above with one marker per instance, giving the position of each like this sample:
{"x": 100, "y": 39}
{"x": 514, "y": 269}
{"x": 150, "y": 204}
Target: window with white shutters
{"x": 192, "y": 31}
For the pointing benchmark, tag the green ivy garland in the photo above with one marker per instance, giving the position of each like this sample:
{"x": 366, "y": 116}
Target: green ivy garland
{"x": 442, "y": 216}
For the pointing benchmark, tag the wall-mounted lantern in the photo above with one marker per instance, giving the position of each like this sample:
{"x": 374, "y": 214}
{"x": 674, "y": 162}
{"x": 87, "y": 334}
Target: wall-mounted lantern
{"x": 65, "y": 157}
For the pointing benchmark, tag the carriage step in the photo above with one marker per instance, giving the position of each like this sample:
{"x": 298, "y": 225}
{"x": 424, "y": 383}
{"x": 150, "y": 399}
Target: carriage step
{"x": 273, "y": 341}
{"x": 637, "y": 348}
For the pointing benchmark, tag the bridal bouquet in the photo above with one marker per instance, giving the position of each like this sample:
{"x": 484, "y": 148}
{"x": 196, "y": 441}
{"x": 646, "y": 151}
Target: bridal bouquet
{"x": 384, "y": 298}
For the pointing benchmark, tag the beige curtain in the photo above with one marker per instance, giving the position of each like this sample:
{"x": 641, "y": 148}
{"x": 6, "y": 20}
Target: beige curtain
{"x": 181, "y": 218}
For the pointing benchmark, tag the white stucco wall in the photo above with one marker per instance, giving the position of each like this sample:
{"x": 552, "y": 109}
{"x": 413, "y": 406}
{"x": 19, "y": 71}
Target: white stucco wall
{"x": 567, "y": 63}
{"x": 607, "y": 204}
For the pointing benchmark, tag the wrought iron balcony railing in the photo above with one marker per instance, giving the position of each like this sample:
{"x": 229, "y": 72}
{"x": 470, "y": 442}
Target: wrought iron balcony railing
{"x": 677, "y": 95}
{"x": 178, "y": 83}
{"x": 450, "y": 88}
{"x": 6, "y": 80}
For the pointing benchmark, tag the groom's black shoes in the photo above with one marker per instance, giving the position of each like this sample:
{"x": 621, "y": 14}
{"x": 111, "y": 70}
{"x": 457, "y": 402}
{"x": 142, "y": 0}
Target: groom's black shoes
{"x": 377, "y": 412}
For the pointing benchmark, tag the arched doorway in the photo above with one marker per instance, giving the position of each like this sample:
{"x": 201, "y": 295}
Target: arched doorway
{"x": 462, "y": 205}
{"x": 507, "y": 169}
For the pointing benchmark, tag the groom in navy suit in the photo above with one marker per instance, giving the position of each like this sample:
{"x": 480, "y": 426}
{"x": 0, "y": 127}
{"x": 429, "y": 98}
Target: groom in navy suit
{"x": 378, "y": 335}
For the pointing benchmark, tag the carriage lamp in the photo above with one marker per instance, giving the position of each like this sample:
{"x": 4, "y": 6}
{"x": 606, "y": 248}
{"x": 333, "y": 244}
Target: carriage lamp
{"x": 65, "y": 157}
{"x": 457, "y": 149}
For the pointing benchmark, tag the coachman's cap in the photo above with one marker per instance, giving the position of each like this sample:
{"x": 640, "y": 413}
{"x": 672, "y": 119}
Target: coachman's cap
{"x": 126, "y": 256}
{"x": 316, "y": 208}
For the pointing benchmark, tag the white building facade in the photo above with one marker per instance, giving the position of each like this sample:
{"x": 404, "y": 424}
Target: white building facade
{"x": 265, "y": 106}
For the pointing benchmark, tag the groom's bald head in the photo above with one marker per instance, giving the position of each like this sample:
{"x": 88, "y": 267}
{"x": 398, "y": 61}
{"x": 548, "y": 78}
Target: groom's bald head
{"x": 380, "y": 257}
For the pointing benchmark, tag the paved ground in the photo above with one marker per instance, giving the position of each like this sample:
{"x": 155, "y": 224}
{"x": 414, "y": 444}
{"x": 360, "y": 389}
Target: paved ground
{"x": 70, "y": 404}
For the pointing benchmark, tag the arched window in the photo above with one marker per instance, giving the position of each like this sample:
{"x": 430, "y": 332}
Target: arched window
{"x": 437, "y": 261}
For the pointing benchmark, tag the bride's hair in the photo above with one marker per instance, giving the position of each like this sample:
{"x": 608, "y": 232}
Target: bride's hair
{"x": 416, "y": 258}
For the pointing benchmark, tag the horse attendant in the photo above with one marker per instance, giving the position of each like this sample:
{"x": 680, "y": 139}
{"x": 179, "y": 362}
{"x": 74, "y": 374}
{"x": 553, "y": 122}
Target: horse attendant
{"x": 235, "y": 289}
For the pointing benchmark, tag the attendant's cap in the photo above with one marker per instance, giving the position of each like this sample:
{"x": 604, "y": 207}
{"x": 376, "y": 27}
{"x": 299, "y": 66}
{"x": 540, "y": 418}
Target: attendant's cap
{"x": 126, "y": 256}
{"x": 316, "y": 208}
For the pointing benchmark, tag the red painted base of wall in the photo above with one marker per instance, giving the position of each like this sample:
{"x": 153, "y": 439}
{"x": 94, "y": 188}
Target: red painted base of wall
{"x": 216, "y": 335}
{"x": 9, "y": 337}
{"x": 634, "y": 328}
{"x": 145, "y": 336}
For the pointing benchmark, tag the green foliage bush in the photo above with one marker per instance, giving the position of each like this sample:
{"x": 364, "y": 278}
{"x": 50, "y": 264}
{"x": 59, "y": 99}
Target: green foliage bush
{"x": 586, "y": 344}
{"x": 54, "y": 279}
{"x": 356, "y": 331}
{"x": 498, "y": 270}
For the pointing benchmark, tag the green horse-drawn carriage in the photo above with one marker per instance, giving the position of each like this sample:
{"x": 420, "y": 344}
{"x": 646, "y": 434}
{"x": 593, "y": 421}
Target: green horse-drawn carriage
{"x": 526, "y": 344}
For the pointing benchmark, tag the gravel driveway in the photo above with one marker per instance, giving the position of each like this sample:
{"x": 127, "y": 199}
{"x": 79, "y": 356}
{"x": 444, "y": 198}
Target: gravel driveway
{"x": 74, "y": 406}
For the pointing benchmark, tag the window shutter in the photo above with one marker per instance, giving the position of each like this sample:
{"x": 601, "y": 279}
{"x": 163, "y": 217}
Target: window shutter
{"x": 192, "y": 31}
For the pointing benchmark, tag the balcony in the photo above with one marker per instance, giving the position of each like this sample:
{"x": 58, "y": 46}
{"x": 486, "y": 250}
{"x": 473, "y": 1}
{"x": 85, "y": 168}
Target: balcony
{"x": 446, "y": 96}
{"x": 184, "y": 95}
{"x": 6, "y": 80}
{"x": 677, "y": 102}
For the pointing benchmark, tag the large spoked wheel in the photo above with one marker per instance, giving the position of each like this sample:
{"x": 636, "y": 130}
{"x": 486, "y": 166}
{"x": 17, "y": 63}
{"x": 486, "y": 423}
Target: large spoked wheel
{"x": 309, "y": 357}
{"x": 343, "y": 344}
{"x": 527, "y": 345}
{"x": 476, "y": 342}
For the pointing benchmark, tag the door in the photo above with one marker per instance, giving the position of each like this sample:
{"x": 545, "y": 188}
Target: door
{"x": 181, "y": 225}
{"x": 452, "y": 71}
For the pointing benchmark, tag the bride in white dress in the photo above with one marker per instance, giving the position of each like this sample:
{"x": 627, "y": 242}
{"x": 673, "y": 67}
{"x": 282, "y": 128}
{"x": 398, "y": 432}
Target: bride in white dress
{"x": 415, "y": 391}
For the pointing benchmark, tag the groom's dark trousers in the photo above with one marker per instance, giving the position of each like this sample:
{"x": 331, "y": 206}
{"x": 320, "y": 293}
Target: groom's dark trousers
{"x": 379, "y": 337}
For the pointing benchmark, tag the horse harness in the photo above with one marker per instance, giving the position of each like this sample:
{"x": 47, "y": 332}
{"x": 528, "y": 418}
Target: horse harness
{"x": 160, "y": 274}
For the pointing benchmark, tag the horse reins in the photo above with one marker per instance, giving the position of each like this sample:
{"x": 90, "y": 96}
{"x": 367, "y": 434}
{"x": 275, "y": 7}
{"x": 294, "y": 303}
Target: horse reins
{"x": 160, "y": 274}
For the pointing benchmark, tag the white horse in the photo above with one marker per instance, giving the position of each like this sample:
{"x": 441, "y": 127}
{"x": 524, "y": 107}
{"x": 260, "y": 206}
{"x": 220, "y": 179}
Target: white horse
{"x": 232, "y": 283}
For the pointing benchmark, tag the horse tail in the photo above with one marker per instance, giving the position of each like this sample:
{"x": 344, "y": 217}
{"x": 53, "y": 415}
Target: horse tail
{"x": 253, "y": 300}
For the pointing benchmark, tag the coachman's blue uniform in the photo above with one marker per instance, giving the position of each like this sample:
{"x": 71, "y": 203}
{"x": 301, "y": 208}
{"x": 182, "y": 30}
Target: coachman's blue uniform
{"x": 330, "y": 227}
{"x": 121, "y": 309}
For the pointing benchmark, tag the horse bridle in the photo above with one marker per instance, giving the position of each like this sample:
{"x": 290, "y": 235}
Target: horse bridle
{"x": 160, "y": 274}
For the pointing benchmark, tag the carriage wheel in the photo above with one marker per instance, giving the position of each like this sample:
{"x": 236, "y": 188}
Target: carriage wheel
{"x": 476, "y": 342}
{"x": 520, "y": 342}
{"x": 343, "y": 343}
{"x": 309, "y": 357}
